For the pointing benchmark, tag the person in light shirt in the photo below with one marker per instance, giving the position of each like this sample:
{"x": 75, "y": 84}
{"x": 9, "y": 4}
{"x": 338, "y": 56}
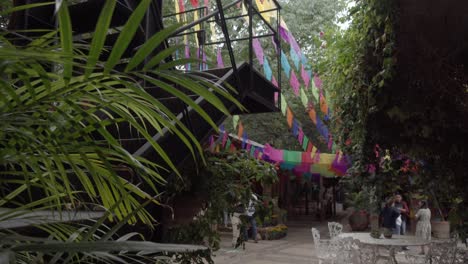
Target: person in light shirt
{"x": 251, "y": 218}
{"x": 423, "y": 227}
{"x": 402, "y": 207}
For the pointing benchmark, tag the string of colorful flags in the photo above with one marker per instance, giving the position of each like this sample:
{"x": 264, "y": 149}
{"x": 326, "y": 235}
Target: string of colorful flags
{"x": 300, "y": 63}
{"x": 300, "y": 162}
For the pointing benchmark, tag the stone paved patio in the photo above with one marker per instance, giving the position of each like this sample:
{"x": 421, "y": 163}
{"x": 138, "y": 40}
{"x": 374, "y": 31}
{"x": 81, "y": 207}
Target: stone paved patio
{"x": 296, "y": 247}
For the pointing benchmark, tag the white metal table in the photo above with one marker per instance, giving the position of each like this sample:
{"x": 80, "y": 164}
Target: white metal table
{"x": 397, "y": 241}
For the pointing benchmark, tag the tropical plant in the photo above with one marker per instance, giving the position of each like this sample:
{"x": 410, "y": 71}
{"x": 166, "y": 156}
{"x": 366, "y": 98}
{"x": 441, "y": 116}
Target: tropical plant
{"x": 225, "y": 182}
{"x": 58, "y": 101}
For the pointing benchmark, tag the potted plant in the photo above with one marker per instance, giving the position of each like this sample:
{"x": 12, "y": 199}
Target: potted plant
{"x": 359, "y": 219}
{"x": 387, "y": 232}
{"x": 375, "y": 233}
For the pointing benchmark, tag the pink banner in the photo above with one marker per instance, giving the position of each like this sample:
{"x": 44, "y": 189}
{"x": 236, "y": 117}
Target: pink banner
{"x": 276, "y": 97}
{"x": 181, "y": 6}
{"x": 294, "y": 83}
{"x": 258, "y": 50}
{"x": 194, "y": 3}
{"x": 273, "y": 154}
{"x": 318, "y": 82}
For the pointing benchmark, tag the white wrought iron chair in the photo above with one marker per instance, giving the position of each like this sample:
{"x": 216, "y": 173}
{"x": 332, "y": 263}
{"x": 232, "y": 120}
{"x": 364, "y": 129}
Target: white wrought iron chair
{"x": 334, "y": 229}
{"x": 324, "y": 251}
{"x": 461, "y": 256}
{"x": 415, "y": 259}
{"x": 371, "y": 254}
{"x": 347, "y": 250}
{"x": 443, "y": 252}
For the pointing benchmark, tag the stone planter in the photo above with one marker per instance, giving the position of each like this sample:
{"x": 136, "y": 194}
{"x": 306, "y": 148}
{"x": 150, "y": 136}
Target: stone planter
{"x": 441, "y": 229}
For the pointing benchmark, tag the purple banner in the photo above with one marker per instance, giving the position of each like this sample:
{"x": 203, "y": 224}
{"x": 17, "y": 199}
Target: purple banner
{"x": 300, "y": 136}
{"x": 219, "y": 57}
{"x": 205, "y": 65}
{"x": 318, "y": 82}
{"x": 284, "y": 34}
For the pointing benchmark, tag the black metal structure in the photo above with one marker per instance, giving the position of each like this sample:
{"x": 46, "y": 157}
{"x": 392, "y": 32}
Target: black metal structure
{"x": 254, "y": 91}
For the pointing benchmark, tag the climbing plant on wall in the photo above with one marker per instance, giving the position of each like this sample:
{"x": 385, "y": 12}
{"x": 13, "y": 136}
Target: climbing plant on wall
{"x": 392, "y": 84}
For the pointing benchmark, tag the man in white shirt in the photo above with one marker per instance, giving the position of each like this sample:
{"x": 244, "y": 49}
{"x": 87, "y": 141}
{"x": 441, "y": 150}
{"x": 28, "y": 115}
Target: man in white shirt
{"x": 251, "y": 218}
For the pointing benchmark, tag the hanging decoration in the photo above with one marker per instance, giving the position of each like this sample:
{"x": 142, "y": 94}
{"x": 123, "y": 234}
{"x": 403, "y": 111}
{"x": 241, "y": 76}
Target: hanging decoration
{"x": 294, "y": 58}
{"x": 219, "y": 58}
{"x": 194, "y": 3}
{"x": 285, "y": 64}
{"x": 258, "y": 50}
{"x": 294, "y": 83}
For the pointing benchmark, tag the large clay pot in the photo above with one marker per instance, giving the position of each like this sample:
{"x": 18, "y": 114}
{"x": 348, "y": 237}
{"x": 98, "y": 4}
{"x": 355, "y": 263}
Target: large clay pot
{"x": 441, "y": 229}
{"x": 359, "y": 220}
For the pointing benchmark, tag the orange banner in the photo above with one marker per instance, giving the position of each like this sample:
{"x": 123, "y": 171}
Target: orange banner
{"x": 323, "y": 105}
{"x": 241, "y": 130}
{"x": 313, "y": 116}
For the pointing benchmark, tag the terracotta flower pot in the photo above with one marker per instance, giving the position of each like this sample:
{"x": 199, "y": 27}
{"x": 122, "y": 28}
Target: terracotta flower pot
{"x": 359, "y": 220}
{"x": 441, "y": 229}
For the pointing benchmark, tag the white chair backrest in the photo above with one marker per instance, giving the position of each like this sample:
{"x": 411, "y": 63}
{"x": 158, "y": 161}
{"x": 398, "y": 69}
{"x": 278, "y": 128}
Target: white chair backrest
{"x": 334, "y": 229}
{"x": 316, "y": 236}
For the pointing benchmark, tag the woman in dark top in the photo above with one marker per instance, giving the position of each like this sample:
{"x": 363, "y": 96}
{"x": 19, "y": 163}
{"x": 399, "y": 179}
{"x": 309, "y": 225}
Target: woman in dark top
{"x": 390, "y": 214}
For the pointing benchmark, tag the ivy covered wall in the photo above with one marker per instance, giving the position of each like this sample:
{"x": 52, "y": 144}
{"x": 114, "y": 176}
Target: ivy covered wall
{"x": 398, "y": 78}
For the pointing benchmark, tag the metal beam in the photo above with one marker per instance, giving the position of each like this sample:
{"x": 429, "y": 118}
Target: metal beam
{"x": 250, "y": 12}
{"x": 240, "y": 39}
{"x": 203, "y": 19}
{"x": 241, "y": 16}
{"x": 228, "y": 41}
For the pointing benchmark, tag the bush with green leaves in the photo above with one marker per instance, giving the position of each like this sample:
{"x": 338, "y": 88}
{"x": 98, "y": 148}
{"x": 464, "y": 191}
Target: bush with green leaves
{"x": 58, "y": 99}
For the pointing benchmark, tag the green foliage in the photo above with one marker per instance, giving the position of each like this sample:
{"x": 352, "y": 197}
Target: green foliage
{"x": 364, "y": 199}
{"x": 402, "y": 98}
{"x": 225, "y": 183}
{"x": 59, "y": 101}
{"x": 358, "y": 63}
{"x": 307, "y": 18}
{"x": 230, "y": 178}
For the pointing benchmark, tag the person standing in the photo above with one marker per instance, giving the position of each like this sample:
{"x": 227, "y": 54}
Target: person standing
{"x": 236, "y": 224}
{"x": 390, "y": 214}
{"x": 251, "y": 218}
{"x": 402, "y": 206}
{"x": 423, "y": 227}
